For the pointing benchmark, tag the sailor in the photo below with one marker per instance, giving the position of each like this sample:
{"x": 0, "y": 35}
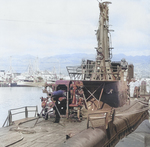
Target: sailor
{"x": 55, "y": 96}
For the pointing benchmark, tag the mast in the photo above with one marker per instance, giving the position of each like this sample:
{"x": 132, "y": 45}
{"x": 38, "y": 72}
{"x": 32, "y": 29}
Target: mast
{"x": 102, "y": 70}
{"x": 10, "y": 68}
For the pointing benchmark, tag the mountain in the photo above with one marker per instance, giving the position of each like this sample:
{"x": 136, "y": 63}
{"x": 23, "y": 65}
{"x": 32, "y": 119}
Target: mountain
{"x": 141, "y": 64}
{"x": 59, "y": 62}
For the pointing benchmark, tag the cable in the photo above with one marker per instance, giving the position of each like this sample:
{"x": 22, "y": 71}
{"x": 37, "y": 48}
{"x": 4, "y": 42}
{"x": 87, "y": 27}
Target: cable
{"x": 52, "y": 23}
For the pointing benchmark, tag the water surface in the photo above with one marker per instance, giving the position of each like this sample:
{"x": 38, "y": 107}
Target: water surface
{"x": 15, "y": 97}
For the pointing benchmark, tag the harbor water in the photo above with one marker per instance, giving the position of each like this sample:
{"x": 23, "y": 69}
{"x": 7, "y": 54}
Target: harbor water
{"x": 16, "y": 97}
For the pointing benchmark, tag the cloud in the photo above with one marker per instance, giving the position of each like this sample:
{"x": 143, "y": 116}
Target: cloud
{"x": 45, "y": 28}
{"x": 131, "y": 27}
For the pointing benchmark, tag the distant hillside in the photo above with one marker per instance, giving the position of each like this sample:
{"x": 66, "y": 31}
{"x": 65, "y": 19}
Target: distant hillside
{"x": 141, "y": 64}
{"x": 59, "y": 62}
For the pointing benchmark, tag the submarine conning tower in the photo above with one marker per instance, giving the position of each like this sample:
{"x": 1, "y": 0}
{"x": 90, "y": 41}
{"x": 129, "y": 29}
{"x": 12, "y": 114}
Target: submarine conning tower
{"x": 102, "y": 69}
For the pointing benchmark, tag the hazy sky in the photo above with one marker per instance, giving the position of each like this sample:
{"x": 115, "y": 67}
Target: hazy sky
{"x": 50, "y": 27}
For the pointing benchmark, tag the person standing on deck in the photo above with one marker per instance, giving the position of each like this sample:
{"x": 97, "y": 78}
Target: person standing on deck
{"x": 55, "y": 96}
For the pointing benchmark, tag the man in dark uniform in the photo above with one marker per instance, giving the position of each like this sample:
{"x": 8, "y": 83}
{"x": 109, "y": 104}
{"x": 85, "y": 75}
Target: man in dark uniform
{"x": 56, "y": 95}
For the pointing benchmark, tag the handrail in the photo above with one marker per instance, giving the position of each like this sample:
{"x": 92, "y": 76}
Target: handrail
{"x": 22, "y": 107}
{"x": 26, "y": 112}
{"x": 108, "y": 115}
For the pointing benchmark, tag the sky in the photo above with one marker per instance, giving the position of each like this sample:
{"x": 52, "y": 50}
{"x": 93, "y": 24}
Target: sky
{"x": 51, "y": 27}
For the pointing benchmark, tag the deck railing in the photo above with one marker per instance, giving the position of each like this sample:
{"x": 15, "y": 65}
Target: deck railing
{"x": 20, "y": 110}
{"x": 107, "y": 115}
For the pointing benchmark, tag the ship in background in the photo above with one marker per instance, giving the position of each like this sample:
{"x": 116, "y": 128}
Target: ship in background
{"x": 33, "y": 77}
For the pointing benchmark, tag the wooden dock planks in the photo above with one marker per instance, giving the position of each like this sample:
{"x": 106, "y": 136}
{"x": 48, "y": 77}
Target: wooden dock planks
{"x": 45, "y": 133}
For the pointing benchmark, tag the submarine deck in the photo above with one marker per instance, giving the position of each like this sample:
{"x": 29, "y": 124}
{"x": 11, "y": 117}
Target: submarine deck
{"x": 45, "y": 133}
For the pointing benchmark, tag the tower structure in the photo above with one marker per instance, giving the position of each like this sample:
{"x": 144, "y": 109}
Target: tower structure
{"x": 102, "y": 69}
